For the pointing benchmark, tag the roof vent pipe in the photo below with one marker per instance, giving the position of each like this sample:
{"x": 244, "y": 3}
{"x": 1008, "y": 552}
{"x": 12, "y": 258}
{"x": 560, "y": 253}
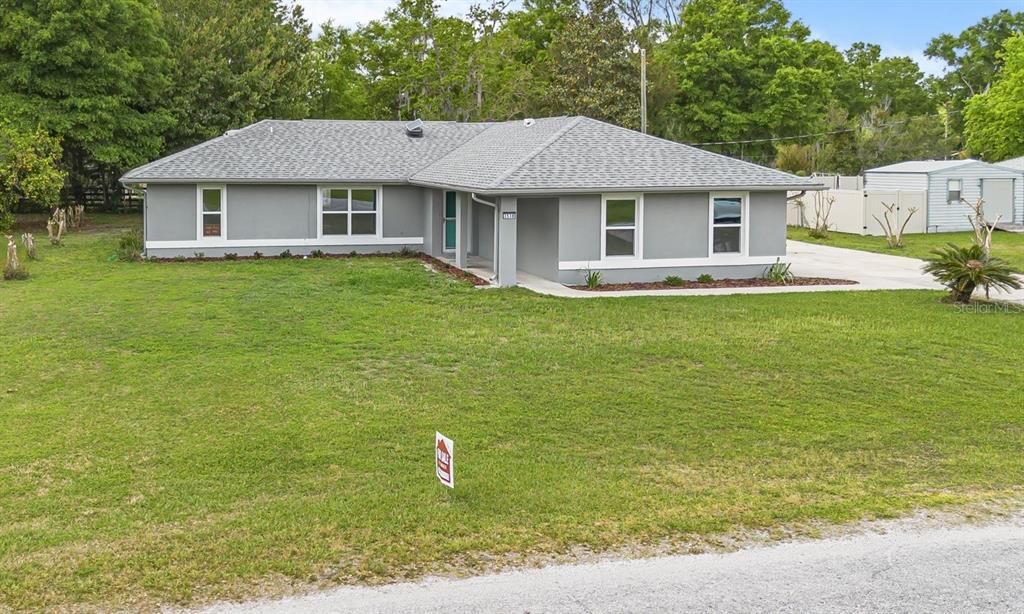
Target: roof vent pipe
{"x": 529, "y": 121}
{"x": 414, "y": 128}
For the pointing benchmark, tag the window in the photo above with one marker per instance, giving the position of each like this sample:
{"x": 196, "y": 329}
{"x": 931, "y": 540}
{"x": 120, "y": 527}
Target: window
{"x": 450, "y": 207}
{"x": 953, "y": 191}
{"x": 726, "y": 224}
{"x": 620, "y": 215}
{"x": 349, "y": 211}
{"x": 211, "y": 211}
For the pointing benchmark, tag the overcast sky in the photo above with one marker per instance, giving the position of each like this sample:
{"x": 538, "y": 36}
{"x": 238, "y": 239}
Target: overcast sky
{"x": 901, "y": 27}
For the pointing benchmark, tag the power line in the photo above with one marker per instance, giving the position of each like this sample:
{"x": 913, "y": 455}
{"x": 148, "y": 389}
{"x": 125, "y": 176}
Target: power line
{"x": 807, "y": 136}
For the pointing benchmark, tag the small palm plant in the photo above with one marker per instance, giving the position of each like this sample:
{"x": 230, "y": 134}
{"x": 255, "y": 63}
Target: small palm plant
{"x": 962, "y": 269}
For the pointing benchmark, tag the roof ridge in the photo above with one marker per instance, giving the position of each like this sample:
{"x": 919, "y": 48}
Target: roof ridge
{"x": 575, "y": 121}
{"x": 196, "y": 147}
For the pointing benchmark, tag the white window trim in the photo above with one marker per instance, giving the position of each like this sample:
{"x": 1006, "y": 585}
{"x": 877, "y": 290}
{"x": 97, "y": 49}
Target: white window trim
{"x": 959, "y": 190}
{"x": 223, "y": 212}
{"x": 379, "y": 227}
{"x": 638, "y": 220}
{"x": 743, "y": 225}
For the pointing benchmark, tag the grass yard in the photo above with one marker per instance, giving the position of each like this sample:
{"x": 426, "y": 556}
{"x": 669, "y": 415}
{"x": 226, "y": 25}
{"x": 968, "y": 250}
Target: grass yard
{"x": 172, "y": 433}
{"x": 1006, "y": 245}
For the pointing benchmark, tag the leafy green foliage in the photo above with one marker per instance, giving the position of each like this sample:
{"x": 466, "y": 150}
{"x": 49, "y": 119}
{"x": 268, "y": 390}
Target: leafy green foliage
{"x": 743, "y": 70}
{"x": 705, "y": 278}
{"x": 995, "y": 119}
{"x": 592, "y": 278}
{"x": 92, "y": 73}
{"x": 234, "y": 63}
{"x": 674, "y": 280}
{"x": 591, "y": 69}
{"x": 29, "y": 171}
{"x": 974, "y": 60}
{"x": 962, "y": 269}
{"x": 778, "y": 272}
{"x": 130, "y": 245}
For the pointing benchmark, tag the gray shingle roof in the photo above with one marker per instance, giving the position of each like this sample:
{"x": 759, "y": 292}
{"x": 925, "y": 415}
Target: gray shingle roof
{"x": 557, "y": 154}
{"x": 1014, "y": 163}
{"x": 311, "y": 150}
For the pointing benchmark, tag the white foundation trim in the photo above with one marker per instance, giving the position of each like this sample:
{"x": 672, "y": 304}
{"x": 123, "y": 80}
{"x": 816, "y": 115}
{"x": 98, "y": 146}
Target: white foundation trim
{"x": 654, "y": 263}
{"x": 332, "y": 241}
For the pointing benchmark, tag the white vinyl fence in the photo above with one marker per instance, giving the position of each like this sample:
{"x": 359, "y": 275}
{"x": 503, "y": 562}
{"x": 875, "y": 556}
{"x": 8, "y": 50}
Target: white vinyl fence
{"x": 854, "y": 211}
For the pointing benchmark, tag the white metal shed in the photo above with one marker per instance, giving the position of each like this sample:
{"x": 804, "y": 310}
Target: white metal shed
{"x": 947, "y": 181}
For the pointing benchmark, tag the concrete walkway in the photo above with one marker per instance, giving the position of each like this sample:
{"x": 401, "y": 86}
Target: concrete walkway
{"x": 905, "y": 569}
{"x": 871, "y": 271}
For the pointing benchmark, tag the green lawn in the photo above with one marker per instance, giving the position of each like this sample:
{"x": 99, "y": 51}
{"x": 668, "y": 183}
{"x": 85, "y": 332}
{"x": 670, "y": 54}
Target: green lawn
{"x": 1006, "y": 245}
{"x": 177, "y": 432}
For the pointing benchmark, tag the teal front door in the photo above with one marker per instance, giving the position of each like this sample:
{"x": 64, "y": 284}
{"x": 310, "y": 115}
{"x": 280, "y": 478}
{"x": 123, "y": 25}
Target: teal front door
{"x": 449, "y": 221}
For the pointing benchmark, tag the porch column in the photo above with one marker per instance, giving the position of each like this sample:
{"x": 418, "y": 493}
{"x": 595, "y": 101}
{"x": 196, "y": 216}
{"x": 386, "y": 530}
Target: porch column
{"x": 428, "y": 221}
{"x": 505, "y": 267}
{"x": 461, "y": 229}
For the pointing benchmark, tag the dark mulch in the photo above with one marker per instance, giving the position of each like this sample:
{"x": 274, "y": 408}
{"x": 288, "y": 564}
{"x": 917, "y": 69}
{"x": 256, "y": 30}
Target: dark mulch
{"x": 753, "y": 282}
{"x": 456, "y": 272}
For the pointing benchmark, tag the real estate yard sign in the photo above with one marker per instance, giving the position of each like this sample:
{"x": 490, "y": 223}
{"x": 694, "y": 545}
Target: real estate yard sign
{"x": 444, "y": 458}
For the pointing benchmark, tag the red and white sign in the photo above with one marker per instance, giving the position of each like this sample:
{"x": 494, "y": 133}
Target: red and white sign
{"x": 444, "y": 456}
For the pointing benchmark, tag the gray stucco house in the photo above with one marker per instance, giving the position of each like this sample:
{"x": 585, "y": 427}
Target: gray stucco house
{"x": 550, "y": 197}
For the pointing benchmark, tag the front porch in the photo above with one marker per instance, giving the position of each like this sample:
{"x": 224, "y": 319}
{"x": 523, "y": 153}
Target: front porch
{"x": 473, "y": 233}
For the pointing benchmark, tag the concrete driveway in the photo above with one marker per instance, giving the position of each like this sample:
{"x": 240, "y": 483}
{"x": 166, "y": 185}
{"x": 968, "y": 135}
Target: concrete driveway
{"x": 904, "y": 569}
{"x": 871, "y": 271}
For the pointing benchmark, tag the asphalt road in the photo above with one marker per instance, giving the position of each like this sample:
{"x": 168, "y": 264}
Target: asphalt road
{"x": 954, "y": 569}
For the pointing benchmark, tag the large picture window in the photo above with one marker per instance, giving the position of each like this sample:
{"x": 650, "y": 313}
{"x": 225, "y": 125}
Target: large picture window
{"x": 727, "y": 224}
{"x": 349, "y": 211}
{"x": 620, "y": 226}
{"x": 211, "y": 211}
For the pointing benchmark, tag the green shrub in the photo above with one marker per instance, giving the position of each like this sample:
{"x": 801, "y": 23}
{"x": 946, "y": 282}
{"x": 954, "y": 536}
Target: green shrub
{"x": 778, "y": 272}
{"x": 674, "y": 280}
{"x": 257, "y": 255}
{"x": 317, "y": 253}
{"x": 286, "y": 254}
{"x": 962, "y": 269}
{"x": 592, "y": 278}
{"x": 230, "y": 256}
{"x": 129, "y": 246}
{"x": 705, "y": 278}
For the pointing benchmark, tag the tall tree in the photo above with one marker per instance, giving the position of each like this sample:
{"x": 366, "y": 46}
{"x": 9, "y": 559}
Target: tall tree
{"x": 743, "y": 70}
{"x": 973, "y": 59}
{"x": 91, "y": 72}
{"x": 339, "y": 90}
{"x": 994, "y": 120}
{"x": 592, "y": 69}
{"x": 871, "y": 81}
{"x": 234, "y": 62}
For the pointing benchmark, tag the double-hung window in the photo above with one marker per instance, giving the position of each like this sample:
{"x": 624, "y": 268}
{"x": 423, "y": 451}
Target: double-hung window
{"x": 726, "y": 224}
{"x": 211, "y": 211}
{"x": 953, "y": 191}
{"x": 620, "y": 226}
{"x": 349, "y": 211}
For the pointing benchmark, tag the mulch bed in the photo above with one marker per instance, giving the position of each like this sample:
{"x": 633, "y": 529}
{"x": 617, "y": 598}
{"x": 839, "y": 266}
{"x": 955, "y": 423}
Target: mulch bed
{"x": 454, "y": 271}
{"x": 753, "y": 282}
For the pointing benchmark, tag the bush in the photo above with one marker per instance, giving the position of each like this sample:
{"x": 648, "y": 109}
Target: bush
{"x": 705, "y": 278}
{"x": 673, "y": 280}
{"x": 286, "y": 254}
{"x": 592, "y": 278}
{"x": 778, "y": 272}
{"x": 962, "y": 269}
{"x": 230, "y": 256}
{"x": 317, "y": 253}
{"x": 257, "y": 255}
{"x": 129, "y": 246}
